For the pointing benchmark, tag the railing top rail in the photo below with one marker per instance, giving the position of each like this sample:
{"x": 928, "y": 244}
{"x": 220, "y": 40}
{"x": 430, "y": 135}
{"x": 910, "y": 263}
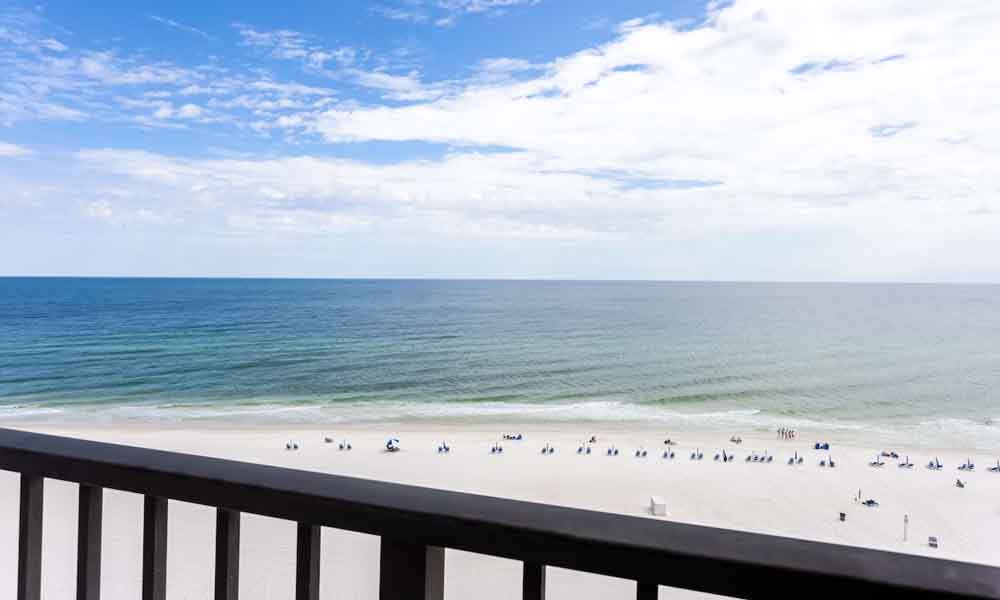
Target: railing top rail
{"x": 701, "y": 558}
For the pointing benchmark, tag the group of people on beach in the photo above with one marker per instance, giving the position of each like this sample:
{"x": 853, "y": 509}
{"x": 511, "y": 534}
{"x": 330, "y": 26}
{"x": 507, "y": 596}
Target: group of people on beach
{"x": 786, "y": 434}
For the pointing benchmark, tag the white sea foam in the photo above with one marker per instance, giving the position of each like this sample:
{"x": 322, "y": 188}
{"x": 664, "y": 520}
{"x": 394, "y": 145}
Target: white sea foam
{"x": 946, "y": 432}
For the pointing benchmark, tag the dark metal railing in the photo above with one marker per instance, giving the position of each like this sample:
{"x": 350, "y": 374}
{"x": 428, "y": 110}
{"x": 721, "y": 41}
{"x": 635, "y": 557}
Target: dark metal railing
{"x": 416, "y": 525}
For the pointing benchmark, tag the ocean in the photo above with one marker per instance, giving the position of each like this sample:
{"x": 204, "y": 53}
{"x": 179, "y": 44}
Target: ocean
{"x": 915, "y": 362}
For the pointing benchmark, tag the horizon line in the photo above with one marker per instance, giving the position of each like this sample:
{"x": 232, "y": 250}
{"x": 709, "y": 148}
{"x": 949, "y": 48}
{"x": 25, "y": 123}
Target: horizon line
{"x": 506, "y": 279}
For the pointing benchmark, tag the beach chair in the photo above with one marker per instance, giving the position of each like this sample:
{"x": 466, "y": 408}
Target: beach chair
{"x": 932, "y": 541}
{"x": 328, "y": 440}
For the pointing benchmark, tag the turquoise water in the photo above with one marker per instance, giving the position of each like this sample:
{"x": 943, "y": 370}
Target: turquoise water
{"x": 917, "y": 358}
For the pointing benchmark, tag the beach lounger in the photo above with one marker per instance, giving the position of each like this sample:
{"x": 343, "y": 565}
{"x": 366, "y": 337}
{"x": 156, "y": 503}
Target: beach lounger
{"x": 995, "y": 469}
{"x": 958, "y": 483}
{"x": 328, "y": 440}
{"x": 932, "y": 541}
{"x": 657, "y": 506}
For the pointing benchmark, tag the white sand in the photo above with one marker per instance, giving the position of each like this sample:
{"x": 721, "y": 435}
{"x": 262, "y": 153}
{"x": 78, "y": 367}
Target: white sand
{"x": 802, "y": 501}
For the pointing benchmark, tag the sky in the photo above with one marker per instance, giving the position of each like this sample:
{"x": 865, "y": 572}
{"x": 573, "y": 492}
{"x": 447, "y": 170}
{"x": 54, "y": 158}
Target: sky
{"x": 791, "y": 140}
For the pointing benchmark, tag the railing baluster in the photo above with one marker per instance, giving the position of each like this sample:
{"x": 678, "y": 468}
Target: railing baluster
{"x": 646, "y": 591}
{"x": 88, "y": 543}
{"x": 154, "y": 548}
{"x": 29, "y": 543}
{"x": 410, "y": 571}
{"x": 307, "y": 562}
{"x": 533, "y": 582}
{"x": 227, "y": 554}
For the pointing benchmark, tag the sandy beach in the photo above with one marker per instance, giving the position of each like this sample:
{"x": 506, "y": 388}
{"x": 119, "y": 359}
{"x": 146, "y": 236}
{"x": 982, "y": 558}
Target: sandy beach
{"x": 798, "y": 501}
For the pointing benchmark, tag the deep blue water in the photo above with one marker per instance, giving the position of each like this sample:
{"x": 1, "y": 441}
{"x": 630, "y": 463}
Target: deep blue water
{"x": 762, "y": 354}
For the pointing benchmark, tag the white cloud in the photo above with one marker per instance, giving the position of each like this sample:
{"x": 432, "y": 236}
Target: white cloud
{"x": 477, "y": 6}
{"x": 13, "y": 150}
{"x": 731, "y": 102}
{"x": 52, "y": 44}
{"x": 445, "y": 12}
{"x": 99, "y": 209}
{"x": 292, "y": 45}
{"x": 180, "y": 26}
{"x": 108, "y": 69}
{"x": 167, "y": 110}
{"x": 400, "y": 14}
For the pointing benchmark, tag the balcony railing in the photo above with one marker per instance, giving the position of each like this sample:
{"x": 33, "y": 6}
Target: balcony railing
{"x": 416, "y": 524}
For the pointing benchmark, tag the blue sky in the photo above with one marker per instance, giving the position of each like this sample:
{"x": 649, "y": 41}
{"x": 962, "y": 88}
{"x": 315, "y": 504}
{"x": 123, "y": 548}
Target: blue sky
{"x": 754, "y": 139}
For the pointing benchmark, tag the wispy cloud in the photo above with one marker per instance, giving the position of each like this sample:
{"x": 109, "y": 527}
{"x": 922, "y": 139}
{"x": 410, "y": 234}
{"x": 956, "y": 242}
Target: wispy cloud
{"x": 180, "y": 26}
{"x": 445, "y": 13}
{"x": 478, "y": 6}
{"x": 13, "y": 150}
{"x": 292, "y": 45}
{"x": 400, "y": 14}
